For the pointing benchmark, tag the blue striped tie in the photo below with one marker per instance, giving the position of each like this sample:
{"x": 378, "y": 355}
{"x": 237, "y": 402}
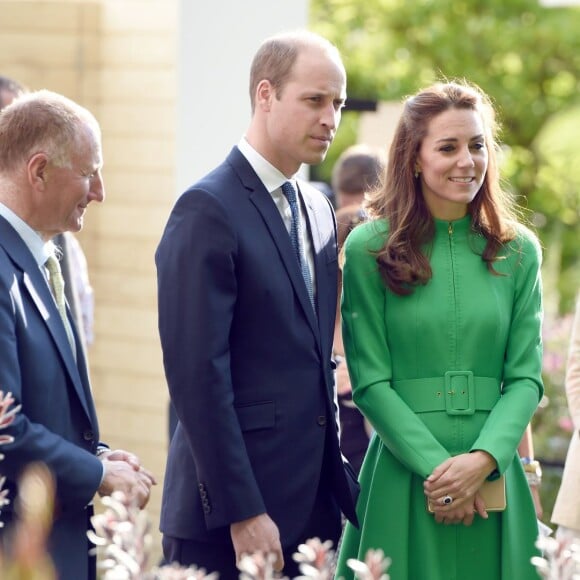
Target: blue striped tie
{"x": 296, "y": 238}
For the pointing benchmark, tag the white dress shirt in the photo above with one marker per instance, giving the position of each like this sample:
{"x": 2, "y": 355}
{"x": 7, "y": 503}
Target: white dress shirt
{"x": 273, "y": 179}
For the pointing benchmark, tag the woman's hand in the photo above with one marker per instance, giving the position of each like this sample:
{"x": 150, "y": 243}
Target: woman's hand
{"x": 462, "y": 512}
{"x": 458, "y": 479}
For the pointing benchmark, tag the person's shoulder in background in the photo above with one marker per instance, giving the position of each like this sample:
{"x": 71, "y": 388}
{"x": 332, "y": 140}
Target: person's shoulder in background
{"x": 347, "y": 218}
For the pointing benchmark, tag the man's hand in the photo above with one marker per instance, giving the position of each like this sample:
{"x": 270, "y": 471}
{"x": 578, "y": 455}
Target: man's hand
{"x": 257, "y": 534}
{"x": 130, "y": 458}
{"x": 123, "y": 472}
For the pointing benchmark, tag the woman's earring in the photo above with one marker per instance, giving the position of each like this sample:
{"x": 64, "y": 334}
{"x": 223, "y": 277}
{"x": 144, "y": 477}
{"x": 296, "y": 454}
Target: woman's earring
{"x": 416, "y": 173}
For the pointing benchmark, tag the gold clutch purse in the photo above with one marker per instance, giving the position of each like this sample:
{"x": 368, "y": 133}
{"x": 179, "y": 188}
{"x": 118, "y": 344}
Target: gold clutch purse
{"x": 492, "y": 493}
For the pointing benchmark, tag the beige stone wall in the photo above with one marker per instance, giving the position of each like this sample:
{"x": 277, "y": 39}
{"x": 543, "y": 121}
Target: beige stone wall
{"x": 50, "y": 44}
{"x": 137, "y": 84}
{"x": 116, "y": 57}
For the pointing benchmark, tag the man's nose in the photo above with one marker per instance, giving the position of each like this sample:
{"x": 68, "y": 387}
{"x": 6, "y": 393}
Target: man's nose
{"x": 331, "y": 116}
{"x": 97, "y": 192}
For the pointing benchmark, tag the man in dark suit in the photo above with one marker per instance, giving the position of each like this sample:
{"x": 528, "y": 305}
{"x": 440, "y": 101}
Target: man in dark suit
{"x": 247, "y": 300}
{"x": 50, "y": 170}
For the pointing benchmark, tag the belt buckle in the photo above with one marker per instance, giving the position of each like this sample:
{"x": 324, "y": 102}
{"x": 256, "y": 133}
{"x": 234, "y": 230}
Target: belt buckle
{"x": 459, "y": 393}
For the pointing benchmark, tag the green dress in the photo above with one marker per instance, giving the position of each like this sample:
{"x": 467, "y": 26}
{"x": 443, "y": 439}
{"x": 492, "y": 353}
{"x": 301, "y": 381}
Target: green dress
{"x": 453, "y": 367}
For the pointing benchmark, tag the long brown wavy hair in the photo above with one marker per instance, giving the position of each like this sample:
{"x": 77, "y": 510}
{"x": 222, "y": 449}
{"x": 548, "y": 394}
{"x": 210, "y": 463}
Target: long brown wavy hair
{"x": 402, "y": 261}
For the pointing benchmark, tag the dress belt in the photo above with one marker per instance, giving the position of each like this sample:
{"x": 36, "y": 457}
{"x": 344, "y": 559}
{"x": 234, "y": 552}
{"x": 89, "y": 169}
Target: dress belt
{"x": 457, "y": 393}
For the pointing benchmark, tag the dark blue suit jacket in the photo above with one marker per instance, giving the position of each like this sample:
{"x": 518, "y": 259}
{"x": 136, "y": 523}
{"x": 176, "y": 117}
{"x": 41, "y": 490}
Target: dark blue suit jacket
{"x": 248, "y": 363}
{"x": 57, "y": 424}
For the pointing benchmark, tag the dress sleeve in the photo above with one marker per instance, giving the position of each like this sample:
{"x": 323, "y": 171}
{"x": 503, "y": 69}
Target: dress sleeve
{"x": 522, "y": 375}
{"x": 369, "y": 359}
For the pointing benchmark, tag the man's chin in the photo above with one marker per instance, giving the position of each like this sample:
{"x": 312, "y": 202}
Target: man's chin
{"x": 76, "y": 225}
{"x": 317, "y": 157}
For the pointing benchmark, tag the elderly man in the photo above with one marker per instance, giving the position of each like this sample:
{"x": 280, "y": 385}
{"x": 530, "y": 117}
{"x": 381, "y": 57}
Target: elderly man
{"x": 78, "y": 289}
{"x": 50, "y": 171}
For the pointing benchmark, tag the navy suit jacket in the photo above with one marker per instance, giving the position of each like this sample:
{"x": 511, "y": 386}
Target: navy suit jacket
{"x": 57, "y": 424}
{"x": 248, "y": 363}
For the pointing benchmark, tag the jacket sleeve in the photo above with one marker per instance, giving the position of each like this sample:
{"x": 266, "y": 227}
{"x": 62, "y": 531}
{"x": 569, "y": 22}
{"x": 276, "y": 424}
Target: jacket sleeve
{"x": 197, "y": 291}
{"x": 369, "y": 362}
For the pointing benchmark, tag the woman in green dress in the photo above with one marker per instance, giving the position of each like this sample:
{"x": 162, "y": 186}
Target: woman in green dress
{"x": 442, "y": 313}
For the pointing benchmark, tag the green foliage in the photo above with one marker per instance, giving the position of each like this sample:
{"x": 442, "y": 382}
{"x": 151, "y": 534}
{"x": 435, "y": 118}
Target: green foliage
{"x": 525, "y": 56}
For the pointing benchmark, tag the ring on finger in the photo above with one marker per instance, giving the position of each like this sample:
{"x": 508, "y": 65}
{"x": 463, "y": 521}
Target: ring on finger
{"x": 447, "y": 500}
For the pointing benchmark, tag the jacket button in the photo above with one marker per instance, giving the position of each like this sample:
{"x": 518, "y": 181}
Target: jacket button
{"x": 88, "y": 435}
{"x": 321, "y": 420}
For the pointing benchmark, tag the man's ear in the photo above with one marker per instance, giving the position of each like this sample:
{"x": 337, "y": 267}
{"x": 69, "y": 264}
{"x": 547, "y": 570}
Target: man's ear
{"x": 264, "y": 94}
{"x": 37, "y": 170}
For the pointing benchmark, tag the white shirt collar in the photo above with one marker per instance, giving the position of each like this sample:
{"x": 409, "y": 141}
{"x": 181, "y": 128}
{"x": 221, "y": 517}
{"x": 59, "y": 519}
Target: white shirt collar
{"x": 271, "y": 177}
{"x": 40, "y": 249}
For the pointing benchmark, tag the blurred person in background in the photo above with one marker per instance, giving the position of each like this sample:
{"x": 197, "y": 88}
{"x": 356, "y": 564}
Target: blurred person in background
{"x": 357, "y": 170}
{"x": 567, "y": 507}
{"x": 9, "y": 90}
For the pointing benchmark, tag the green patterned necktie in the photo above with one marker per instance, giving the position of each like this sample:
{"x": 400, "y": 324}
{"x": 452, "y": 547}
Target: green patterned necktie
{"x": 57, "y": 286}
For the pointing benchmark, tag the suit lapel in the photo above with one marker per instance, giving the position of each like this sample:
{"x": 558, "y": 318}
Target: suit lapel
{"x": 51, "y": 317}
{"x": 319, "y": 253}
{"x": 267, "y": 208}
{"x": 39, "y": 292}
{"x": 265, "y": 205}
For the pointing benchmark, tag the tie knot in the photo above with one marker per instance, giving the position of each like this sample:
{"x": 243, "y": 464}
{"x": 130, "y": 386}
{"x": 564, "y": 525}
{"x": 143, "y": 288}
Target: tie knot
{"x": 289, "y": 191}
